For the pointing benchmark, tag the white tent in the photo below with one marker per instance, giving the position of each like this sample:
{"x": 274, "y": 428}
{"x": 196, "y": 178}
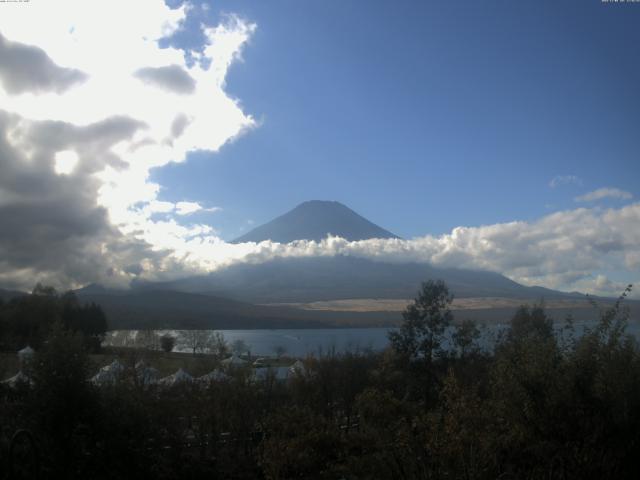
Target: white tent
{"x": 181, "y": 376}
{"x": 26, "y": 353}
{"x": 234, "y": 361}
{"x": 18, "y": 379}
{"x": 213, "y": 376}
{"x": 104, "y": 377}
{"x": 109, "y": 374}
{"x": 116, "y": 367}
{"x": 148, "y": 375}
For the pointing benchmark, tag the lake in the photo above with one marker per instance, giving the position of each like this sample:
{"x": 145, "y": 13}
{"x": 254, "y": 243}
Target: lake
{"x": 296, "y": 342}
{"x": 303, "y": 342}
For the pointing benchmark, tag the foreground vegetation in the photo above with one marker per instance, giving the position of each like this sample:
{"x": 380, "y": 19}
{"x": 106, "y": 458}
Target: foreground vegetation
{"x": 540, "y": 404}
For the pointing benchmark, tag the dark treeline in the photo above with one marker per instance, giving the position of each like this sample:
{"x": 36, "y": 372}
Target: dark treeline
{"x": 539, "y": 405}
{"x": 28, "y": 319}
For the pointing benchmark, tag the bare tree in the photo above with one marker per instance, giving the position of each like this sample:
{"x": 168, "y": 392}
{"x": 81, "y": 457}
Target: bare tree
{"x": 196, "y": 340}
{"x": 218, "y": 346}
{"x": 239, "y": 347}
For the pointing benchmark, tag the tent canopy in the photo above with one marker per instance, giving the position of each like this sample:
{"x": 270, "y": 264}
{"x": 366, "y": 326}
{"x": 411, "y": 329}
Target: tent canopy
{"x": 26, "y": 352}
{"x": 181, "y": 376}
{"x": 213, "y": 376}
{"x": 18, "y": 379}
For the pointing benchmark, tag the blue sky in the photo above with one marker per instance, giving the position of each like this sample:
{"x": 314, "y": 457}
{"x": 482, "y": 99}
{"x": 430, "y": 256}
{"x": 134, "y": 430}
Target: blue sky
{"x": 422, "y": 116}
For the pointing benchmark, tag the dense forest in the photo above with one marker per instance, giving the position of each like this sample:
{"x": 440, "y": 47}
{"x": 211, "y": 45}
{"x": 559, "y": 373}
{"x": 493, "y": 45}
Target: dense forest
{"x": 28, "y": 319}
{"x": 542, "y": 403}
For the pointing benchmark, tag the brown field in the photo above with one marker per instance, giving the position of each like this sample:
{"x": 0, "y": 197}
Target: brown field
{"x": 395, "y": 305}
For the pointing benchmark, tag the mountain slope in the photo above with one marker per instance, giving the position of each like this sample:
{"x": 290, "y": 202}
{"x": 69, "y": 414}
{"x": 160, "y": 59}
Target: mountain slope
{"x": 292, "y": 280}
{"x": 342, "y": 277}
{"x": 314, "y": 220}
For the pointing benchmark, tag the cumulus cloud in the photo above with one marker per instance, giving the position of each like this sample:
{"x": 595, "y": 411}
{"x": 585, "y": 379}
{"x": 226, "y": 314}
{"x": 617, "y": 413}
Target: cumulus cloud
{"x": 80, "y": 133}
{"x": 173, "y": 78}
{"x": 26, "y": 68}
{"x": 52, "y": 226}
{"x": 560, "y": 180}
{"x": 564, "y": 250}
{"x": 606, "y": 192}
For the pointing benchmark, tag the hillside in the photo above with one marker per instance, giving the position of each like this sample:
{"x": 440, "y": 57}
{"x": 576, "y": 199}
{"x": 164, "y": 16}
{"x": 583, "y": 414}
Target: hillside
{"x": 342, "y": 277}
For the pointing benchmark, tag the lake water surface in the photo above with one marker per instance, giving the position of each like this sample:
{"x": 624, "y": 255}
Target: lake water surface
{"x": 303, "y": 342}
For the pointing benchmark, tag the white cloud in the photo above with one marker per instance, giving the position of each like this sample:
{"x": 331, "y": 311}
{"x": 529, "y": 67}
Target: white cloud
{"x": 606, "y": 192}
{"x": 187, "y": 208}
{"x": 73, "y": 84}
{"x": 559, "y": 180}
{"x": 563, "y": 250}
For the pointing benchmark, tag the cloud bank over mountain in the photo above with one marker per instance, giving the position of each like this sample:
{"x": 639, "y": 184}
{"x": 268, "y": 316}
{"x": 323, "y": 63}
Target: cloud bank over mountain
{"x": 561, "y": 250}
{"x": 83, "y": 120}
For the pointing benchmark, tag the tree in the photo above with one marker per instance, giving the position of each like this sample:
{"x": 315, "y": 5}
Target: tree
{"x": 239, "y": 347}
{"x": 44, "y": 290}
{"x": 425, "y": 322}
{"x": 465, "y": 337}
{"x": 196, "y": 340}
{"x": 28, "y": 319}
{"x": 530, "y": 322}
{"x": 218, "y": 346}
{"x": 167, "y": 342}
{"x": 63, "y": 399}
